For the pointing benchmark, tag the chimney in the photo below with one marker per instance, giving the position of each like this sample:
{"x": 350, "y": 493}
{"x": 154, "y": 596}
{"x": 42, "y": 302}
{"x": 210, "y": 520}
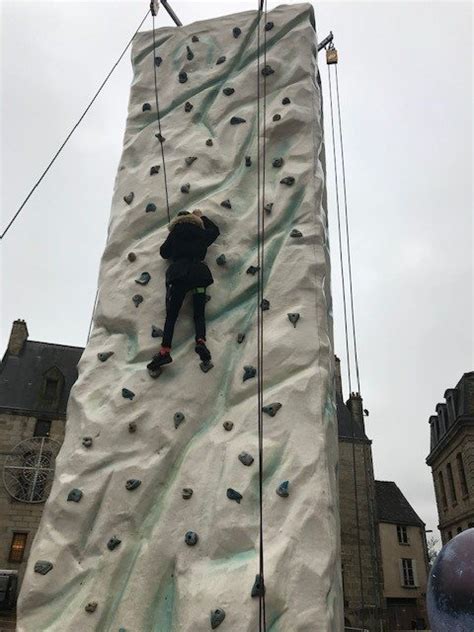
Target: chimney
{"x": 355, "y": 403}
{"x": 337, "y": 377}
{"x": 18, "y": 337}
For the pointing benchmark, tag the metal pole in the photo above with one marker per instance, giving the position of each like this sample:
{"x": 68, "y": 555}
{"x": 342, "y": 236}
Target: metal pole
{"x": 171, "y": 13}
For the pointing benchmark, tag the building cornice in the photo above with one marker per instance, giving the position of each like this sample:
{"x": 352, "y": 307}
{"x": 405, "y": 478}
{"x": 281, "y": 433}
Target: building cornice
{"x": 23, "y": 412}
{"x": 461, "y": 422}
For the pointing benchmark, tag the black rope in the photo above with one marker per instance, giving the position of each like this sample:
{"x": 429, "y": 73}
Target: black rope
{"x": 73, "y": 129}
{"x": 158, "y": 118}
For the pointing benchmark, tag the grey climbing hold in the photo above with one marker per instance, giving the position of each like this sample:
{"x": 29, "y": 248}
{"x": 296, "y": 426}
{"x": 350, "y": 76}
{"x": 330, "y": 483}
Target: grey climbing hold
{"x": 186, "y": 188}
{"x": 129, "y": 197}
{"x": 293, "y": 318}
{"x": 282, "y": 489}
{"x": 221, "y": 260}
{"x": 228, "y": 91}
{"x": 158, "y": 61}
{"x": 194, "y": 38}
{"x": 272, "y": 409}
{"x": 252, "y": 270}
{"x": 232, "y": 494}
{"x": 156, "y": 332}
{"x": 267, "y": 71}
{"x": 144, "y": 278}
{"x": 91, "y": 606}
{"x": 87, "y": 442}
{"x": 113, "y": 543}
{"x": 132, "y": 484}
{"x": 221, "y": 60}
{"x": 265, "y": 305}
{"x": 187, "y": 493}
{"x": 246, "y": 459}
{"x": 296, "y": 233}
{"x": 150, "y": 208}
{"x": 74, "y": 495}
{"x": 137, "y": 299}
{"x": 240, "y": 338}
{"x": 127, "y": 394}
{"x": 277, "y": 117}
{"x": 236, "y": 32}
{"x": 258, "y": 589}
{"x": 206, "y": 366}
{"x": 146, "y": 107}
{"x": 289, "y": 181}
{"x": 237, "y": 120}
{"x": 160, "y": 137}
{"x": 131, "y": 256}
{"x": 268, "y": 208}
{"x": 217, "y": 617}
{"x": 277, "y": 163}
{"x": 43, "y": 567}
{"x": 178, "y": 419}
{"x": 209, "y": 142}
{"x": 190, "y": 54}
{"x": 132, "y": 426}
{"x": 183, "y": 77}
{"x": 228, "y": 425}
{"x": 191, "y": 538}
{"x": 105, "y": 355}
{"x": 249, "y": 373}
{"x": 248, "y": 161}
{"x": 188, "y": 106}
{"x": 189, "y": 160}
{"x": 226, "y": 204}
{"x": 286, "y": 101}
{"x": 268, "y": 26}
{"x": 154, "y": 170}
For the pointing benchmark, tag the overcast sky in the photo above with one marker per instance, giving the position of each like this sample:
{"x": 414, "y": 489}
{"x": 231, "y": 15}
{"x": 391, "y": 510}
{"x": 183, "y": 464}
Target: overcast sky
{"x": 406, "y": 87}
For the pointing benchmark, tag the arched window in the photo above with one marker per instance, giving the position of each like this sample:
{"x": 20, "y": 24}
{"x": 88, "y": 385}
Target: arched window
{"x": 51, "y": 388}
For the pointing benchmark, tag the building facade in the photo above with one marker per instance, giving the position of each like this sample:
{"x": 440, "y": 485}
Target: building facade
{"x": 451, "y": 458}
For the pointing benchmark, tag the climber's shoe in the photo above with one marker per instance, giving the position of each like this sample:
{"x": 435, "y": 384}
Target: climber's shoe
{"x": 202, "y": 351}
{"x": 159, "y": 360}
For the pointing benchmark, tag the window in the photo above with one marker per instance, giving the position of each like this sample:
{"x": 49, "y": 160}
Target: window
{"x": 408, "y": 576}
{"x": 452, "y": 489}
{"x": 402, "y": 534}
{"x": 17, "y": 547}
{"x": 42, "y": 428}
{"x": 459, "y": 529}
{"x": 442, "y": 489}
{"x": 462, "y": 475}
{"x": 50, "y": 389}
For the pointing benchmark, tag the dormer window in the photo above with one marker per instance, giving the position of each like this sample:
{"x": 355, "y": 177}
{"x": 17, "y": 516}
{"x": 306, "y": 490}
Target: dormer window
{"x": 52, "y": 388}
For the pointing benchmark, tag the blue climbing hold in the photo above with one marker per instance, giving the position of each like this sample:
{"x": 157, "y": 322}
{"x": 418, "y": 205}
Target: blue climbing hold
{"x": 232, "y": 494}
{"x": 127, "y": 394}
{"x": 283, "y": 490}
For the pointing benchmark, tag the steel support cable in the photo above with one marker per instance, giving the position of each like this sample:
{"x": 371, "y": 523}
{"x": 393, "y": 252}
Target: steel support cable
{"x": 74, "y": 128}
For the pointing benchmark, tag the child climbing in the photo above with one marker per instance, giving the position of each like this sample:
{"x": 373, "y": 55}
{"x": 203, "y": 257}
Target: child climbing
{"x": 186, "y": 245}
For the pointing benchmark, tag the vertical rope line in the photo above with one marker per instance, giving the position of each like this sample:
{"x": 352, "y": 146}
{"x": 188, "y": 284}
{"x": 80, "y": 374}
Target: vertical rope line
{"x": 93, "y": 312}
{"x": 158, "y": 118}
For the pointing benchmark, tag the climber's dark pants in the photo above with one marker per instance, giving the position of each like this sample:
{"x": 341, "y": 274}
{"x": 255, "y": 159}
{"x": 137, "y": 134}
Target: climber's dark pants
{"x": 175, "y": 293}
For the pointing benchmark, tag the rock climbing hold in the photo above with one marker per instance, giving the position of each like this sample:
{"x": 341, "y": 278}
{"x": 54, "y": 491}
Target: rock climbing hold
{"x": 158, "y": 61}
{"x": 131, "y": 256}
{"x": 187, "y": 493}
{"x": 265, "y": 305}
{"x": 286, "y": 101}
{"x": 236, "y": 32}
{"x": 183, "y": 77}
{"x": 249, "y": 373}
{"x": 240, "y": 338}
{"x": 296, "y": 233}
{"x": 268, "y": 208}
{"x": 228, "y": 91}
{"x": 272, "y": 409}
{"x": 267, "y": 71}
{"x": 105, "y": 355}
{"x": 186, "y": 188}
{"x": 221, "y": 60}
{"x": 113, "y": 543}
{"x": 188, "y": 106}
{"x": 127, "y": 394}
{"x": 137, "y": 299}
{"x": 277, "y": 117}
{"x": 237, "y": 120}
{"x": 208, "y": 298}
{"x": 194, "y": 38}
{"x": 289, "y": 181}
{"x": 209, "y": 142}
{"x": 43, "y": 567}
{"x": 146, "y": 107}
{"x": 258, "y": 589}
{"x": 283, "y": 490}
{"x": 189, "y": 160}
{"x": 74, "y": 495}
{"x": 226, "y": 204}
{"x": 178, "y": 419}
{"x": 143, "y": 279}
{"x": 132, "y": 426}
{"x": 156, "y": 332}
{"x": 228, "y": 425}
{"x": 129, "y": 197}
{"x": 245, "y": 458}
{"x": 248, "y": 161}
{"x": 132, "y": 484}
{"x": 160, "y": 137}
{"x": 154, "y": 373}
{"x": 206, "y": 366}
{"x": 232, "y": 494}
{"x": 293, "y": 318}
{"x": 277, "y": 162}
{"x": 252, "y": 270}
{"x": 91, "y": 606}
{"x": 154, "y": 170}
{"x": 221, "y": 260}
{"x": 87, "y": 442}
{"x": 191, "y": 538}
{"x": 190, "y": 54}
{"x": 268, "y": 26}
{"x": 217, "y": 617}
{"x": 150, "y": 208}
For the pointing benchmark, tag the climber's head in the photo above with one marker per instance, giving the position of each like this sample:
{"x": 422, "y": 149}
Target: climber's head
{"x": 185, "y": 217}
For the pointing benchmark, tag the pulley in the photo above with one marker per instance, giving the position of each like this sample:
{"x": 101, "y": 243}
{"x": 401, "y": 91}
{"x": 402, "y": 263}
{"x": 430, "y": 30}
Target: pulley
{"x": 331, "y": 55}
{"x": 154, "y": 6}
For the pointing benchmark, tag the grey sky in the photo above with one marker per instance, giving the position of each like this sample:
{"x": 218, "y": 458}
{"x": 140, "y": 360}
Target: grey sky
{"x": 406, "y": 86}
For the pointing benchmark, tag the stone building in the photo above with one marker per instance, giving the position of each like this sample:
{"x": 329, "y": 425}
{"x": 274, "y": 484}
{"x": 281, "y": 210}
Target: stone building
{"x": 451, "y": 458}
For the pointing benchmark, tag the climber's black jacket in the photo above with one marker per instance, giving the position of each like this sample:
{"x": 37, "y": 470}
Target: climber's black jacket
{"x": 186, "y": 246}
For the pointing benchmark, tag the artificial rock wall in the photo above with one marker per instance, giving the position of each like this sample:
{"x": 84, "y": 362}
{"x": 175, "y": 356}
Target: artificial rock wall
{"x": 152, "y": 580}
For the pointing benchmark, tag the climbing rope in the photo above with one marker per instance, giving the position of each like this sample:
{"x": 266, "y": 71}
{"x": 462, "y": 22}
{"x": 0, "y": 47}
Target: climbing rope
{"x": 73, "y": 129}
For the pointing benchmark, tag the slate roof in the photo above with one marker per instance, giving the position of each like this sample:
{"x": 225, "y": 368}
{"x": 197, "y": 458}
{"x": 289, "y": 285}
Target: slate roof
{"x": 344, "y": 422}
{"x": 21, "y": 376}
{"x": 393, "y": 507}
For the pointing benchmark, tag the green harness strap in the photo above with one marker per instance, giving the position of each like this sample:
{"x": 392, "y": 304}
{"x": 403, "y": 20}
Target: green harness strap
{"x": 199, "y": 290}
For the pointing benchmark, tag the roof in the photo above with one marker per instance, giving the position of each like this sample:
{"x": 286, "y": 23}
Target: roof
{"x": 21, "y": 376}
{"x": 347, "y": 428}
{"x": 393, "y": 507}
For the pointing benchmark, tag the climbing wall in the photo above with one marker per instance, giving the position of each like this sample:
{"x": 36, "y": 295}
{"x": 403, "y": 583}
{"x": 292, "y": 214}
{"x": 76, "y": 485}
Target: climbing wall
{"x": 153, "y": 519}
